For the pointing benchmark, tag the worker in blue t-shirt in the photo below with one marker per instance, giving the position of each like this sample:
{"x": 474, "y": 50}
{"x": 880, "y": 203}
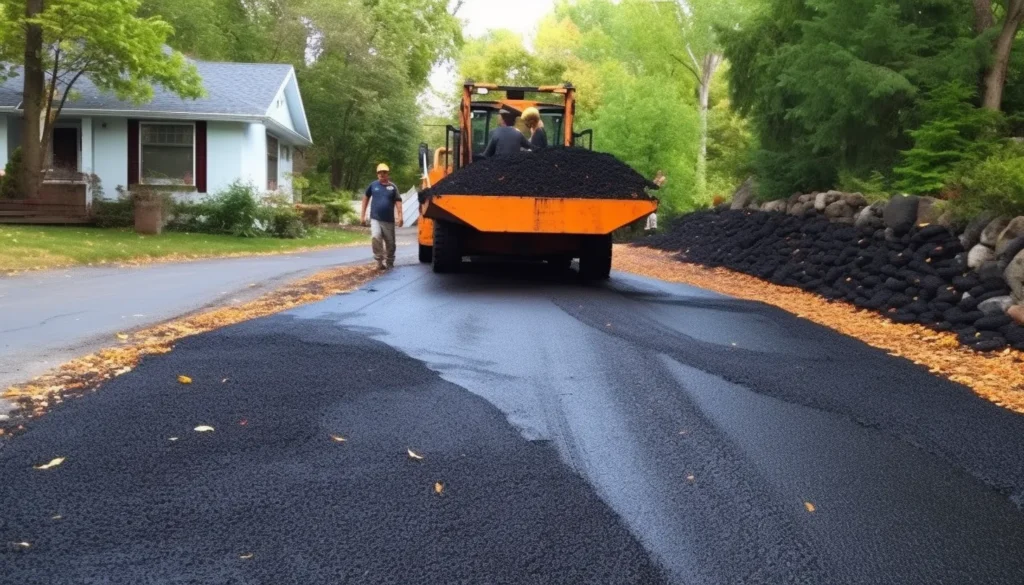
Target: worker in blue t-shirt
{"x": 385, "y": 203}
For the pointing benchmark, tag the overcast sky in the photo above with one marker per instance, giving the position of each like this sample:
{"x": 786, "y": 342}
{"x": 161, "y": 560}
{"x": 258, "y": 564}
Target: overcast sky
{"x": 479, "y": 16}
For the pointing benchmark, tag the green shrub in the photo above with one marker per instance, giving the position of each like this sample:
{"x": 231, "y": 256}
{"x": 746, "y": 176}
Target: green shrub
{"x": 11, "y": 184}
{"x": 873, "y": 188}
{"x": 236, "y": 211}
{"x": 956, "y": 134}
{"x": 286, "y": 222}
{"x": 113, "y": 213}
{"x": 994, "y": 184}
{"x": 192, "y": 217}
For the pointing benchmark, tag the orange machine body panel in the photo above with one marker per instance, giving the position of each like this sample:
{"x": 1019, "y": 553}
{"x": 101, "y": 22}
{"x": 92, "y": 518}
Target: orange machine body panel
{"x": 540, "y": 215}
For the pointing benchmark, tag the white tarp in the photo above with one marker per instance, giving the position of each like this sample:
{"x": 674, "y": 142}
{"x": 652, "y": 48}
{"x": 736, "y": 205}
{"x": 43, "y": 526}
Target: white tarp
{"x": 410, "y": 206}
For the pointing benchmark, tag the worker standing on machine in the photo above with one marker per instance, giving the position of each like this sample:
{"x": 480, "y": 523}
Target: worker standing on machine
{"x": 506, "y": 139}
{"x": 538, "y": 137}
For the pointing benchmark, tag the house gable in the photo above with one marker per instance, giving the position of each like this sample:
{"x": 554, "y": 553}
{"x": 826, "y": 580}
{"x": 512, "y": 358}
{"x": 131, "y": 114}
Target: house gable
{"x": 287, "y": 115}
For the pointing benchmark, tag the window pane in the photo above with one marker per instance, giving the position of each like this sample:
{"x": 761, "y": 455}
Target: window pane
{"x": 167, "y": 164}
{"x": 180, "y": 134}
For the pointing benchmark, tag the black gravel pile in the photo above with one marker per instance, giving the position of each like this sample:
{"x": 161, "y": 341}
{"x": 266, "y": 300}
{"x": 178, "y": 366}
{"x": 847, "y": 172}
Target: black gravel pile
{"x": 552, "y": 172}
{"x": 920, "y": 277}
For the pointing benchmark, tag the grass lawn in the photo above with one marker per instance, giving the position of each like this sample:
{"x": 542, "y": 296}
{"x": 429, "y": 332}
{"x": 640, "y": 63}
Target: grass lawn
{"x": 41, "y": 247}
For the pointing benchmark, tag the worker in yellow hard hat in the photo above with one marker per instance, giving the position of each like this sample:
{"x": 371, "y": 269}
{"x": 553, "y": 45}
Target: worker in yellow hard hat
{"x": 538, "y": 137}
{"x": 385, "y": 205}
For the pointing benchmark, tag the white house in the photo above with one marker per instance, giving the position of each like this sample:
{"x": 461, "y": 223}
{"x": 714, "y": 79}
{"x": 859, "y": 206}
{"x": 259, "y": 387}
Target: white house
{"x": 246, "y": 128}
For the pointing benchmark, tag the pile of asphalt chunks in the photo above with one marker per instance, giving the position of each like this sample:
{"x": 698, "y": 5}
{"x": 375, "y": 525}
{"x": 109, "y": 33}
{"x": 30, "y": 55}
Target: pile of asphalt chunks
{"x": 552, "y": 172}
{"x": 918, "y": 277}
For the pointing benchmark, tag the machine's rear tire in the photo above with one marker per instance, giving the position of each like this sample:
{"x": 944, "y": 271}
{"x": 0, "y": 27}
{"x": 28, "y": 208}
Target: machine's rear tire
{"x": 426, "y": 254}
{"x": 596, "y": 258}
{"x": 447, "y": 251}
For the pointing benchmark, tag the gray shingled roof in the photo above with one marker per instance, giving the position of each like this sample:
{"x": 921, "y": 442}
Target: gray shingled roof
{"x": 241, "y": 89}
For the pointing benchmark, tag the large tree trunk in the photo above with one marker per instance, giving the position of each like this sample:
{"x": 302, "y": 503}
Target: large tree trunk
{"x": 32, "y": 103}
{"x": 707, "y": 73}
{"x": 336, "y": 172}
{"x": 983, "y": 18}
{"x": 995, "y": 78}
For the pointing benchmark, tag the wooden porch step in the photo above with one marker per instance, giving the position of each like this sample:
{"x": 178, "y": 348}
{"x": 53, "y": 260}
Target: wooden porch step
{"x": 44, "y": 220}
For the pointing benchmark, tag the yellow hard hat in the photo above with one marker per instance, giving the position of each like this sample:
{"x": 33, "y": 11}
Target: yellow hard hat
{"x": 383, "y": 167}
{"x": 531, "y": 113}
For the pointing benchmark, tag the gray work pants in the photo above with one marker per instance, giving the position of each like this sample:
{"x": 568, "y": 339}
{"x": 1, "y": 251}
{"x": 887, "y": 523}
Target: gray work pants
{"x": 383, "y": 241}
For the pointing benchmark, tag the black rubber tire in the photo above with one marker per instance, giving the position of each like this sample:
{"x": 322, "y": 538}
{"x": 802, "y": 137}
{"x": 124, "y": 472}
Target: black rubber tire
{"x": 426, "y": 254}
{"x": 447, "y": 252}
{"x": 596, "y": 258}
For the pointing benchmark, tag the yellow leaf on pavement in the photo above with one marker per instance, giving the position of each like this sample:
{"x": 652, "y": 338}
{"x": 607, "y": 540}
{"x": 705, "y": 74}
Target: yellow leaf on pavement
{"x": 438, "y": 487}
{"x": 53, "y": 463}
{"x": 203, "y": 429}
{"x": 337, "y": 438}
{"x": 122, "y": 336}
{"x": 184, "y": 379}
{"x": 413, "y": 455}
{"x": 810, "y": 507}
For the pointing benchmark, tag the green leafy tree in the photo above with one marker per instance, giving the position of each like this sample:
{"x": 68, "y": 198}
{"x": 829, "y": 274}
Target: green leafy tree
{"x": 106, "y": 41}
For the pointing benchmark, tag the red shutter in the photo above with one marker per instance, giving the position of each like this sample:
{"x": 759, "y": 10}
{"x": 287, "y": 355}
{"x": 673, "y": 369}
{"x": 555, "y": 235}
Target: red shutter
{"x": 201, "y": 157}
{"x": 133, "y": 153}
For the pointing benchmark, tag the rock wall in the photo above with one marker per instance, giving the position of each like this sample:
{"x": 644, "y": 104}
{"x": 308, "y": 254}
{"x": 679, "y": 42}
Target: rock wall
{"x": 901, "y": 258}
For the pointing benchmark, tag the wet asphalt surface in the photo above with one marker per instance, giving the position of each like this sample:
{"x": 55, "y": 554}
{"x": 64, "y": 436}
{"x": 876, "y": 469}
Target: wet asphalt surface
{"x": 629, "y": 432}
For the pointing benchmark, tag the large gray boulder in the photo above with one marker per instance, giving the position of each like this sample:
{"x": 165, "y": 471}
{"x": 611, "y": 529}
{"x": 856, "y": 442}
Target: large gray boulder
{"x": 744, "y": 195}
{"x": 866, "y": 218}
{"x": 820, "y": 201}
{"x": 972, "y": 233}
{"x": 1013, "y": 230}
{"x": 996, "y": 305}
{"x": 901, "y": 213}
{"x": 838, "y": 210}
{"x": 1014, "y": 275}
{"x": 979, "y": 255}
{"x": 990, "y": 235}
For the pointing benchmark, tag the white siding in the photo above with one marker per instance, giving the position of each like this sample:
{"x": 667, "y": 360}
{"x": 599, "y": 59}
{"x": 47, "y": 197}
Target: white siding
{"x": 284, "y": 169}
{"x": 254, "y": 157}
{"x": 280, "y": 111}
{"x": 225, "y": 144}
{"x": 110, "y": 153}
{"x": 4, "y": 142}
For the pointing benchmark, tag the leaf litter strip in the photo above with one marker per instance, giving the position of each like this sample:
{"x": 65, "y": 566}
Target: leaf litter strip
{"x": 998, "y": 377}
{"x": 87, "y": 373}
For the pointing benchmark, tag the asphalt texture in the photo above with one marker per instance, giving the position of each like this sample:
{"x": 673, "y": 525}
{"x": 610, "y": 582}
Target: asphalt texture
{"x": 550, "y": 172}
{"x": 48, "y": 318}
{"x": 629, "y": 432}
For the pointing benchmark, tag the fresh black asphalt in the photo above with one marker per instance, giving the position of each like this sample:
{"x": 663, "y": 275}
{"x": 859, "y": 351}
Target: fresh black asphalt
{"x": 634, "y": 432}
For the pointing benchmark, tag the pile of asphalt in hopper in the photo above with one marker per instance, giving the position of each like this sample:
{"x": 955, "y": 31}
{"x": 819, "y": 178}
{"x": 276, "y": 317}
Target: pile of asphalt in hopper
{"x": 551, "y": 172}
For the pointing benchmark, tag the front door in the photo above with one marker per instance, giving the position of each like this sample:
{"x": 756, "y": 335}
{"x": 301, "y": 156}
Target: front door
{"x": 65, "y": 149}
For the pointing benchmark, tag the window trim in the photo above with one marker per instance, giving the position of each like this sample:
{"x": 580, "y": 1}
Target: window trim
{"x": 142, "y": 162}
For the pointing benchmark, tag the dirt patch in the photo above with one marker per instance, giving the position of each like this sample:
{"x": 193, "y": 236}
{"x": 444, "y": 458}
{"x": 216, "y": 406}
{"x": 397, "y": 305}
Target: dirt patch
{"x": 88, "y": 373}
{"x": 552, "y": 172}
{"x": 998, "y": 377}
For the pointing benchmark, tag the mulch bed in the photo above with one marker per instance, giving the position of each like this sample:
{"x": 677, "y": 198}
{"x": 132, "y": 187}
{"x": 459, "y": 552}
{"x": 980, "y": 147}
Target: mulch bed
{"x": 552, "y": 172}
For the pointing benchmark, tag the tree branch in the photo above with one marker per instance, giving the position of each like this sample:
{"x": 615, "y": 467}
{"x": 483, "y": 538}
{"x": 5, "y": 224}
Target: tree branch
{"x": 689, "y": 67}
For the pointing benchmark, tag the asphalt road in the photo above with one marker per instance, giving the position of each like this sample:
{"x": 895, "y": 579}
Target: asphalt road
{"x": 632, "y": 432}
{"x": 47, "y": 318}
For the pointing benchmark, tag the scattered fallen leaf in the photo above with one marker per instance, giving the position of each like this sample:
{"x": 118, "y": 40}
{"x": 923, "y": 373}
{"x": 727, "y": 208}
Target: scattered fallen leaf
{"x": 184, "y": 380}
{"x": 246, "y": 556}
{"x": 21, "y": 544}
{"x": 203, "y": 429}
{"x": 810, "y": 507}
{"x": 122, "y": 336}
{"x": 340, "y": 439}
{"x": 53, "y": 463}
{"x": 56, "y": 517}
{"x": 173, "y": 439}
{"x": 689, "y": 478}
{"x": 224, "y": 381}
{"x": 243, "y": 422}
{"x": 413, "y": 455}
{"x": 438, "y": 488}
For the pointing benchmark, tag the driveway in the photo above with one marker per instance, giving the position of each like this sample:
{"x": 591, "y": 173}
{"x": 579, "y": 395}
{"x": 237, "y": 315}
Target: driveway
{"x": 630, "y": 432}
{"x": 47, "y": 318}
